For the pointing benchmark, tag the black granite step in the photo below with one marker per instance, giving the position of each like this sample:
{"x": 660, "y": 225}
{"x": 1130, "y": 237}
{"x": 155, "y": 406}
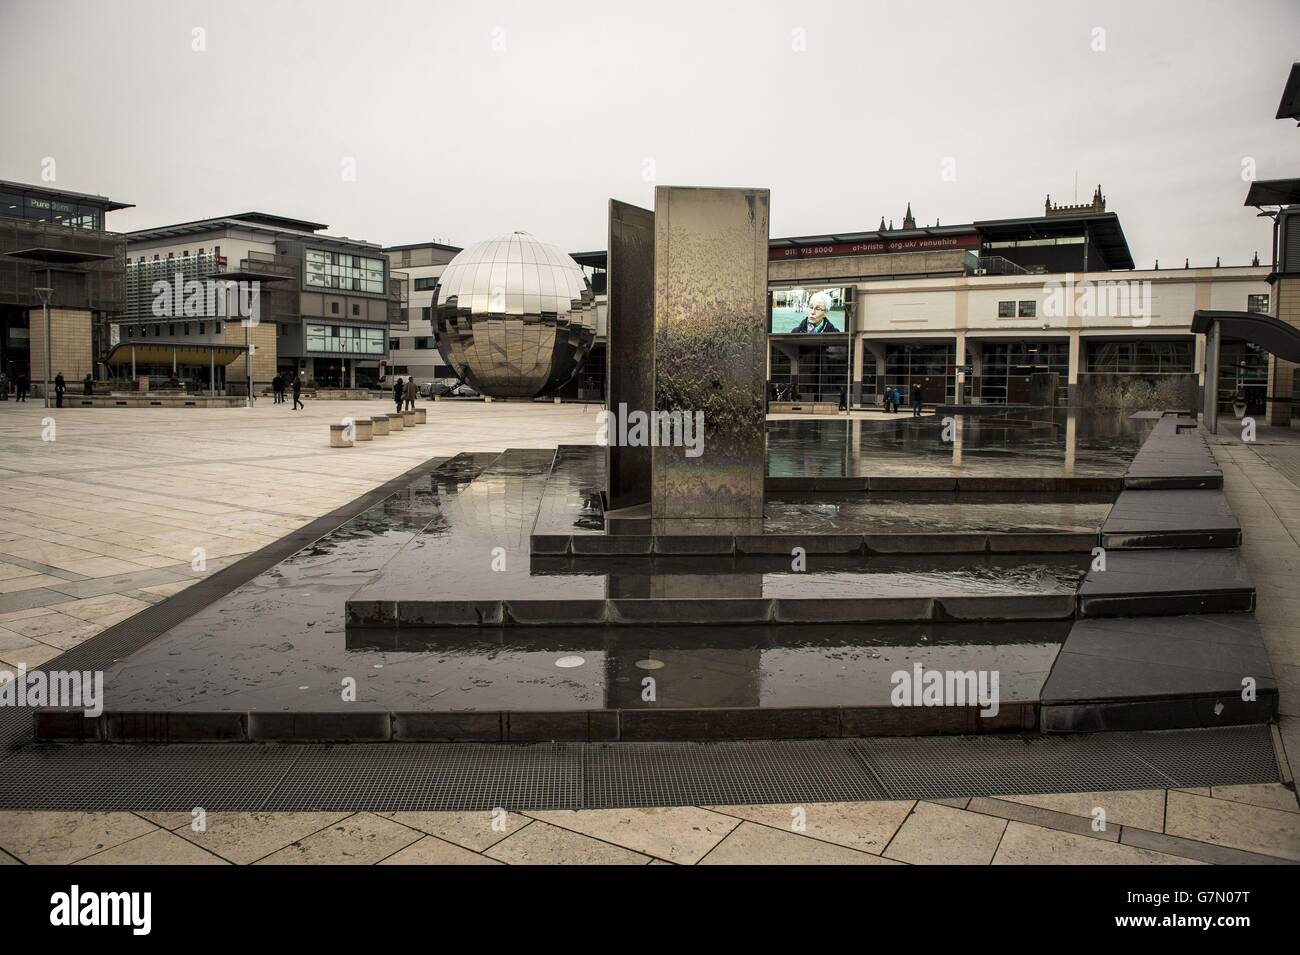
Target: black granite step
{"x": 1174, "y": 456}
{"x": 1170, "y": 518}
{"x": 1160, "y": 582}
{"x": 1160, "y": 673}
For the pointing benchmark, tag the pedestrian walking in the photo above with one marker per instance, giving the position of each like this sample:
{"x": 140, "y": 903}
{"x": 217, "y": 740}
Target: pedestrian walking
{"x": 4, "y": 386}
{"x": 297, "y": 395}
{"x": 917, "y": 400}
{"x": 410, "y": 391}
{"x": 88, "y": 385}
{"x": 21, "y": 386}
{"x": 399, "y": 392}
{"x": 277, "y": 389}
{"x": 60, "y": 386}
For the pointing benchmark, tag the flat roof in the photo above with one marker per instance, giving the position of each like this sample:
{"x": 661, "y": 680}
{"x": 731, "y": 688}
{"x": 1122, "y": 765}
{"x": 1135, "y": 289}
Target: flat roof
{"x": 423, "y": 245}
{"x": 1273, "y": 192}
{"x": 277, "y": 225}
{"x": 1289, "y": 108}
{"x": 51, "y": 256}
{"x": 1103, "y": 227}
{"x": 28, "y": 189}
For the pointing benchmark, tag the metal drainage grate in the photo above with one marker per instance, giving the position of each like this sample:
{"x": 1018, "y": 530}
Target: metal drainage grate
{"x": 668, "y": 774}
{"x": 469, "y": 776}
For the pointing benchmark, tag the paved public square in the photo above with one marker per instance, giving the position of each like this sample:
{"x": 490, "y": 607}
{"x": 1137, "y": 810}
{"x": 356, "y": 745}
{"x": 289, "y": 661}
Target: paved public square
{"x": 105, "y": 512}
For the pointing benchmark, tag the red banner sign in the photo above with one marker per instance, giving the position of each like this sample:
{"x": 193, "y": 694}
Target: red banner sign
{"x": 923, "y": 243}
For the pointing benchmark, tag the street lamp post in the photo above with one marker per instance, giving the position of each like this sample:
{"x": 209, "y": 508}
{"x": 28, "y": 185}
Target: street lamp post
{"x": 44, "y": 292}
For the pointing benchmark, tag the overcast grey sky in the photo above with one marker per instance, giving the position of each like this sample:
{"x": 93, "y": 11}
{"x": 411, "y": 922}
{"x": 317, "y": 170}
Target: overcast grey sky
{"x": 464, "y": 120}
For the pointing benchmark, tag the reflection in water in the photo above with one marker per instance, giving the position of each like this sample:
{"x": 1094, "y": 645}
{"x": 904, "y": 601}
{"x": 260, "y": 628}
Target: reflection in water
{"x": 1043, "y": 442}
{"x": 790, "y": 665}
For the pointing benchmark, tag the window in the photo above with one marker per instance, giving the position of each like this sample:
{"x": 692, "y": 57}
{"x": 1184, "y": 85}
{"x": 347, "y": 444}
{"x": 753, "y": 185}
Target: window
{"x": 187, "y": 328}
{"x": 424, "y": 344}
{"x": 216, "y": 328}
{"x": 344, "y": 339}
{"x": 334, "y": 308}
{"x": 1028, "y": 309}
{"x": 356, "y": 309}
{"x": 394, "y": 344}
{"x": 1257, "y": 303}
{"x": 424, "y": 285}
{"x": 339, "y": 270}
{"x": 171, "y": 329}
{"x": 1153, "y": 356}
{"x": 1006, "y": 309}
{"x": 202, "y": 328}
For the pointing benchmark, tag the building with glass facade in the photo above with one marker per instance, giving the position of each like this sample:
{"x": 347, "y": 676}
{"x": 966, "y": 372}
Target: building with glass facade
{"x": 55, "y": 238}
{"x": 326, "y": 304}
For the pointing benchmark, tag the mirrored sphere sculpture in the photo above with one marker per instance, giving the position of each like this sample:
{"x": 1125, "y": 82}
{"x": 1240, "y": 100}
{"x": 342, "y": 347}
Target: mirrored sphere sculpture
{"x": 516, "y": 317}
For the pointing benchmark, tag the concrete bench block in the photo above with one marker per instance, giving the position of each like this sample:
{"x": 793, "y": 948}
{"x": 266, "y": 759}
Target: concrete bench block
{"x": 395, "y": 422}
{"x": 379, "y": 425}
{"x": 421, "y": 415}
{"x": 408, "y": 419}
{"x": 339, "y": 436}
{"x": 364, "y": 429}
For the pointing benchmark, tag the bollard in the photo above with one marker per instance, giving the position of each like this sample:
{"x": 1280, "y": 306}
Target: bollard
{"x": 421, "y": 415}
{"x": 338, "y": 438}
{"x": 408, "y": 419}
{"x": 380, "y": 426}
{"x": 363, "y": 428}
{"x": 395, "y": 422}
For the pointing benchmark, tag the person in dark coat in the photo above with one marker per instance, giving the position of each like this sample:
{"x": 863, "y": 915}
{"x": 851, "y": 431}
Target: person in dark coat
{"x": 917, "y": 400}
{"x": 21, "y": 386}
{"x": 398, "y": 393}
{"x": 4, "y": 386}
{"x": 60, "y": 386}
{"x": 297, "y": 394}
{"x": 88, "y": 385}
{"x": 277, "y": 389}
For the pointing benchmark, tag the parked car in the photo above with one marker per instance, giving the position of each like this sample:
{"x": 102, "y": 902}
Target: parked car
{"x": 464, "y": 391}
{"x": 434, "y": 389}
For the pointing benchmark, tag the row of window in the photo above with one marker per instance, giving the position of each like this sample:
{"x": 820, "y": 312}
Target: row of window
{"x": 71, "y": 214}
{"x": 346, "y": 339}
{"x": 1027, "y": 308}
{"x": 340, "y": 270}
{"x": 419, "y": 343}
{"x": 171, "y": 329}
{"x": 185, "y": 254}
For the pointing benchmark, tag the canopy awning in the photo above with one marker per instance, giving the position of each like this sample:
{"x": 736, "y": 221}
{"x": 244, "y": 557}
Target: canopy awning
{"x": 185, "y": 353}
{"x": 1275, "y": 337}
